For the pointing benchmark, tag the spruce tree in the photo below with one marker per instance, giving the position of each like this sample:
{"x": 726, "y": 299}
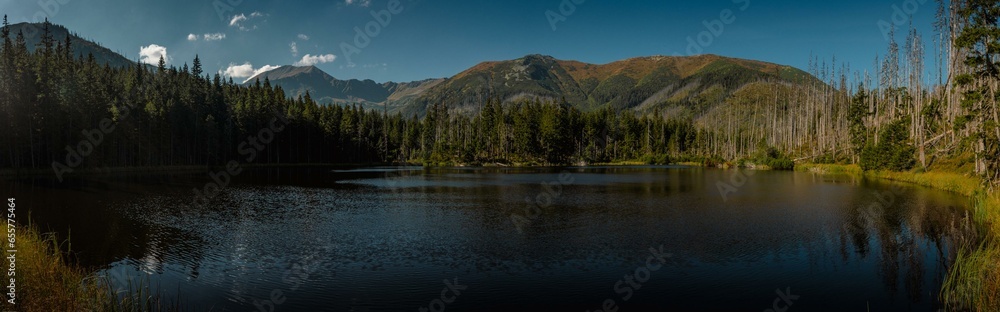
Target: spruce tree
{"x": 196, "y": 66}
{"x": 979, "y": 38}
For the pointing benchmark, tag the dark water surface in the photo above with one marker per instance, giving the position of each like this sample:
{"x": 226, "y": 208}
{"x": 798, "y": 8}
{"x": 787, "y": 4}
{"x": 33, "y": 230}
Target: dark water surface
{"x": 386, "y": 239}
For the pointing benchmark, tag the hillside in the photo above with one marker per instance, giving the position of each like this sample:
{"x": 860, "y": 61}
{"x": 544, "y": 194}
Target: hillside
{"x": 81, "y": 47}
{"x": 640, "y": 84}
{"x": 684, "y": 85}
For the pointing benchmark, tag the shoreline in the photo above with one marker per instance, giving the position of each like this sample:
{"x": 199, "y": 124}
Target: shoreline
{"x": 973, "y": 280}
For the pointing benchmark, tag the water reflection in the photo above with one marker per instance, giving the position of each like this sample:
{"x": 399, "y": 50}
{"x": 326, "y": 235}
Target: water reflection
{"x": 382, "y": 239}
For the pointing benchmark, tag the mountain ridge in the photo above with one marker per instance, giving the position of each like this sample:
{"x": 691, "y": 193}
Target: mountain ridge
{"x": 82, "y": 47}
{"x": 639, "y": 83}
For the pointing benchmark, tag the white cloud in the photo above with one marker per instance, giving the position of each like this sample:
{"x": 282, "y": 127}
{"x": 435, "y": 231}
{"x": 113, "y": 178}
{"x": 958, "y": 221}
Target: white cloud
{"x": 310, "y": 60}
{"x": 363, "y": 3}
{"x": 213, "y": 37}
{"x": 239, "y": 71}
{"x": 246, "y": 70}
{"x": 241, "y": 20}
{"x": 303, "y": 37}
{"x": 192, "y": 37}
{"x": 295, "y": 49}
{"x": 237, "y": 19}
{"x": 151, "y": 54}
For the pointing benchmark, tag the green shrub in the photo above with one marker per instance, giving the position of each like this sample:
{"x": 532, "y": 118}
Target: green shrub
{"x": 771, "y": 157}
{"x": 893, "y": 151}
{"x": 782, "y": 163}
{"x": 656, "y": 159}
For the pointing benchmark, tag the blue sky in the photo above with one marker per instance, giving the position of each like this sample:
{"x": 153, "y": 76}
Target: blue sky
{"x": 439, "y": 38}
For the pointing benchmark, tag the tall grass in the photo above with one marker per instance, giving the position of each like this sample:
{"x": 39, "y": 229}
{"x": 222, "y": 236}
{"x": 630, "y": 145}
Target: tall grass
{"x": 973, "y": 282}
{"x": 136, "y": 295}
{"x": 46, "y": 282}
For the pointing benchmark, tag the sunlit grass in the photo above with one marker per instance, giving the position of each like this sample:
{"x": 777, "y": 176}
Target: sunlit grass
{"x": 621, "y": 163}
{"x": 690, "y": 163}
{"x": 948, "y": 181}
{"x": 46, "y": 282}
{"x": 829, "y": 168}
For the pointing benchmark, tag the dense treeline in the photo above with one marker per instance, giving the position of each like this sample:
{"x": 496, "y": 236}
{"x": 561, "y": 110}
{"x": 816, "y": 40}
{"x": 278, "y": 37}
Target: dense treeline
{"x": 59, "y": 106}
{"x": 552, "y": 133}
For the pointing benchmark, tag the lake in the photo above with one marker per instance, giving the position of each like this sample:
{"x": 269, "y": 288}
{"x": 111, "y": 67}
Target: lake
{"x": 502, "y": 239}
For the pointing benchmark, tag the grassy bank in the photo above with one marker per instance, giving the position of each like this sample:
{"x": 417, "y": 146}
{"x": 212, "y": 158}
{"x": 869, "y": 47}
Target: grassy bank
{"x": 973, "y": 281}
{"x": 46, "y": 282}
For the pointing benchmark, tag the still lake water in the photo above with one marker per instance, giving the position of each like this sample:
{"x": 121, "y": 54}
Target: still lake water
{"x": 386, "y": 239}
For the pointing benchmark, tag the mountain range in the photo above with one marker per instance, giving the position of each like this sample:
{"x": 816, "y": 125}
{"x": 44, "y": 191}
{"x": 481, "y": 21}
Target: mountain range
{"x": 297, "y": 80}
{"x": 640, "y": 84}
{"x": 678, "y": 84}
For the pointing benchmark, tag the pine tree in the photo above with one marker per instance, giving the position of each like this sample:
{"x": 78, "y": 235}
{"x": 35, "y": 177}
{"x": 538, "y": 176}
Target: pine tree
{"x": 979, "y": 39}
{"x": 196, "y": 66}
{"x": 68, "y": 46}
{"x": 161, "y": 66}
{"x": 856, "y": 115}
